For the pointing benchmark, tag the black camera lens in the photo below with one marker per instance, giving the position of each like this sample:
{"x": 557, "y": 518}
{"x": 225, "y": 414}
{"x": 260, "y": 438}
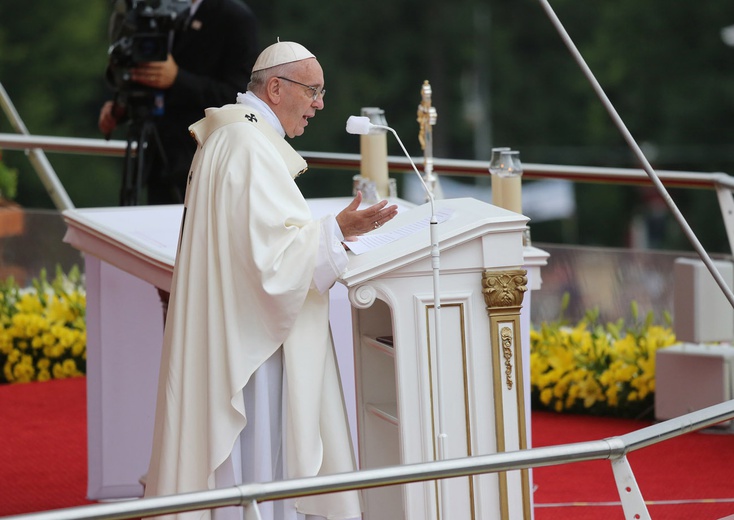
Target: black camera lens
{"x": 149, "y": 47}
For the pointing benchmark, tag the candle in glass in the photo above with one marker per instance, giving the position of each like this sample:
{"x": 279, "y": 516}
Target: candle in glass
{"x": 373, "y": 149}
{"x": 495, "y": 167}
{"x": 510, "y": 177}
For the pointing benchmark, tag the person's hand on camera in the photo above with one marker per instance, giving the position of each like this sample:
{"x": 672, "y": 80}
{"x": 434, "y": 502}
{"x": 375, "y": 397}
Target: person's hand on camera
{"x": 354, "y": 222}
{"x": 156, "y": 74}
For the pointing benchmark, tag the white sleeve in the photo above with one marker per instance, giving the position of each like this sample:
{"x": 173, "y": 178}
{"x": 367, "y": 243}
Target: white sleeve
{"x": 332, "y": 258}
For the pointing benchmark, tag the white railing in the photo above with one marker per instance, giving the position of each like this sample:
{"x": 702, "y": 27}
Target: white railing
{"x": 614, "y": 449}
{"x": 722, "y": 183}
{"x": 351, "y": 162}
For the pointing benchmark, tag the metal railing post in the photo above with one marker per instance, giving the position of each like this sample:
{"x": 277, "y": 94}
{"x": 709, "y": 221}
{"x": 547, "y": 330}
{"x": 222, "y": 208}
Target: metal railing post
{"x": 629, "y": 492}
{"x": 37, "y": 157}
{"x": 726, "y": 204}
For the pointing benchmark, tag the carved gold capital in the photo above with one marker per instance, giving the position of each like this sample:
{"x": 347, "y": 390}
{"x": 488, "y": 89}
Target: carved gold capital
{"x": 504, "y": 288}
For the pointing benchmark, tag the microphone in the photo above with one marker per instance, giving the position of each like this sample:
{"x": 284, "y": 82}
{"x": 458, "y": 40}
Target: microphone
{"x": 361, "y": 125}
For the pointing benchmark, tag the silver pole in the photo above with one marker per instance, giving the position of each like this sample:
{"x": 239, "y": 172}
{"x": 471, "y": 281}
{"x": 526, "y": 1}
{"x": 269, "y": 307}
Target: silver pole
{"x": 38, "y": 159}
{"x": 638, "y": 152}
{"x": 76, "y": 145}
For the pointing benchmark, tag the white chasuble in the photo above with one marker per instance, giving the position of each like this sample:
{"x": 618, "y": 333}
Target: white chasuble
{"x": 242, "y": 289}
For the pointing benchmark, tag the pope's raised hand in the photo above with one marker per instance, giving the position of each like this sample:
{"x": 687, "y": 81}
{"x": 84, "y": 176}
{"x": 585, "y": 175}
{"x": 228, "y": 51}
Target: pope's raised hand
{"x": 354, "y": 221}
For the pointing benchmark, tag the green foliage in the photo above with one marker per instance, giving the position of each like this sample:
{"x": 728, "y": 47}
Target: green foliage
{"x": 52, "y": 65}
{"x": 500, "y": 73}
{"x": 8, "y": 181}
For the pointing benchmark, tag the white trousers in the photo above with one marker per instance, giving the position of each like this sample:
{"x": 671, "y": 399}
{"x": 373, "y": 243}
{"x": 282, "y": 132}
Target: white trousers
{"x": 259, "y": 453}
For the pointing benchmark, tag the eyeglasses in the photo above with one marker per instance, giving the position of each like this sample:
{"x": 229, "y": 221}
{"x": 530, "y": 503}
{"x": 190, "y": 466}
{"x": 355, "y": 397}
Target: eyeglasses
{"x": 316, "y": 92}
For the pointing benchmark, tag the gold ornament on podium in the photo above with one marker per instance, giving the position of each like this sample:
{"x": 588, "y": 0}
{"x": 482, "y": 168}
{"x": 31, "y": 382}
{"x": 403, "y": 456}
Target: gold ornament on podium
{"x": 427, "y": 117}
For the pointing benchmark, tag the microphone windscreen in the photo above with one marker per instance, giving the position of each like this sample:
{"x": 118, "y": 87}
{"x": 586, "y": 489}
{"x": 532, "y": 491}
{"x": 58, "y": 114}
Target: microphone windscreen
{"x": 358, "y": 125}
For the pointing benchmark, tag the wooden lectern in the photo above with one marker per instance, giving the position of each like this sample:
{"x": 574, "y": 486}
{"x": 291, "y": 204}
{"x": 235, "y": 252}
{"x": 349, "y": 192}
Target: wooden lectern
{"x": 396, "y": 373}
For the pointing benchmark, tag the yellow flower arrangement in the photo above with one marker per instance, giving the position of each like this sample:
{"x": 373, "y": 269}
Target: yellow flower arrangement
{"x": 597, "y": 369}
{"x": 42, "y": 328}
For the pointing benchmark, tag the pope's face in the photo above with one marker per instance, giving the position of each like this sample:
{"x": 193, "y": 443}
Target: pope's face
{"x": 298, "y": 105}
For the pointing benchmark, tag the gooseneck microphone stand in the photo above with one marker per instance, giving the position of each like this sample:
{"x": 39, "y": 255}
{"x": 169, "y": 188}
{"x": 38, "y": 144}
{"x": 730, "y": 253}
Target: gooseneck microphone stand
{"x": 362, "y": 125}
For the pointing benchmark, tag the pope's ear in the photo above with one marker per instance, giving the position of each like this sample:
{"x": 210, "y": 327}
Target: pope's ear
{"x": 273, "y": 90}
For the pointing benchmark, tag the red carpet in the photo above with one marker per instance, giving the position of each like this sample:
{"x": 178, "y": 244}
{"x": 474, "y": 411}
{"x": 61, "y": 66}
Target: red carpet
{"x": 43, "y": 447}
{"x": 43, "y": 454}
{"x": 689, "y": 477}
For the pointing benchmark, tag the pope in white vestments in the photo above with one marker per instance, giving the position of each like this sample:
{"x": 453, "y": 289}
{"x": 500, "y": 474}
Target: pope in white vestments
{"x": 249, "y": 388}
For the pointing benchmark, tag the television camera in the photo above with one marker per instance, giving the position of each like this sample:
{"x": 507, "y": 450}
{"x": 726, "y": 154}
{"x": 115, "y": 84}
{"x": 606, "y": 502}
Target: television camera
{"x": 140, "y": 31}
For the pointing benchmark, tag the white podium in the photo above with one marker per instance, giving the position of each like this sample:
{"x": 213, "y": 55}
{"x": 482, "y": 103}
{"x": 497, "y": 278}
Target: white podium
{"x": 481, "y": 363}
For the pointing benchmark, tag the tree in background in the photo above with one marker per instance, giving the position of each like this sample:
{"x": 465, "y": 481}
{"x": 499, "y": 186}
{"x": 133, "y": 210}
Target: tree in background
{"x": 501, "y": 76}
{"x": 51, "y": 64}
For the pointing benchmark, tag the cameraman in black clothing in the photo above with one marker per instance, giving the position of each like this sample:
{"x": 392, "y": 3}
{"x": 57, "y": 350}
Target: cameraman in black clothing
{"x": 210, "y": 61}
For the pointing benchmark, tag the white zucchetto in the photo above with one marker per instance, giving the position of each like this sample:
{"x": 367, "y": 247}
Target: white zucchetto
{"x": 280, "y": 53}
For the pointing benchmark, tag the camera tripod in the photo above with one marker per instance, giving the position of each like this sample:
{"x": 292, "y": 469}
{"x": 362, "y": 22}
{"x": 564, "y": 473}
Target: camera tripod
{"x": 142, "y": 130}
